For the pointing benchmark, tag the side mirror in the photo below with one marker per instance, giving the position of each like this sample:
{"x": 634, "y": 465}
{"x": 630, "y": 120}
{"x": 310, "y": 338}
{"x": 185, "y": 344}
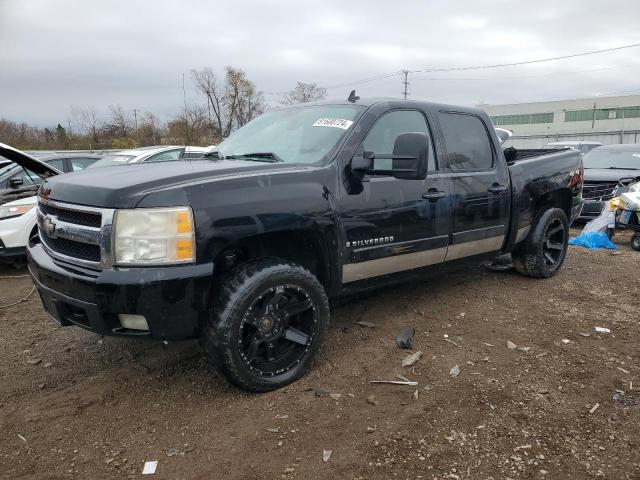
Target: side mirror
{"x": 410, "y": 156}
{"x": 363, "y": 162}
{"x": 16, "y": 182}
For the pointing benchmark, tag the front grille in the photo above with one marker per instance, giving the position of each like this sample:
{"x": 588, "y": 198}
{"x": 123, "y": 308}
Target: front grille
{"x": 599, "y": 190}
{"x": 75, "y": 234}
{"x": 70, "y": 248}
{"x": 88, "y": 219}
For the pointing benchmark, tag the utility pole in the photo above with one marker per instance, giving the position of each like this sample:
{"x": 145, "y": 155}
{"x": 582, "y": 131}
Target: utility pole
{"x": 186, "y": 120}
{"x": 135, "y": 117}
{"x": 405, "y": 83}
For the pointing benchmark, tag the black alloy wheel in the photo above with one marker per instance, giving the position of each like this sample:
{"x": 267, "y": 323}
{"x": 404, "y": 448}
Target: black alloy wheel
{"x": 276, "y": 331}
{"x": 555, "y": 237}
{"x": 543, "y": 252}
{"x": 269, "y": 319}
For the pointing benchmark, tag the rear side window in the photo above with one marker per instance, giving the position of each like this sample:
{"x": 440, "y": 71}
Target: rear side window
{"x": 80, "y": 163}
{"x": 57, "y": 163}
{"x": 165, "y": 156}
{"x": 466, "y": 142}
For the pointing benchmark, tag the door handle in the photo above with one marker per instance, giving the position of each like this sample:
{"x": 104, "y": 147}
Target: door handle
{"x": 432, "y": 195}
{"x": 497, "y": 188}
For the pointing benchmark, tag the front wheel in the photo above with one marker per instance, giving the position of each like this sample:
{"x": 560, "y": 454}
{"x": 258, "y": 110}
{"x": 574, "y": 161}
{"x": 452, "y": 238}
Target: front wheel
{"x": 635, "y": 242}
{"x": 543, "y": 252}
{"x": 269, "y": 321}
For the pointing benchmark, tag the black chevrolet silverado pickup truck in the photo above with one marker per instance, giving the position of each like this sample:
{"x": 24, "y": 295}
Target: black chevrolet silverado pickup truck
{"x": 244, "y": 249}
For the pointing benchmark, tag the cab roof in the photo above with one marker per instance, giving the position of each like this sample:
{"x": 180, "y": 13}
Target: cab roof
{"x": 395, "y": 103}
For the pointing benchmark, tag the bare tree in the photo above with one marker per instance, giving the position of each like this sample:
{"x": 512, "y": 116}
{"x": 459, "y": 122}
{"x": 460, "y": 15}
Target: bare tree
{"x": 191, "y": 127}
{"x": 119, "y": 123}
{"x": 303, "y": 93}
{"x": 249, "y": 103}
{"x": 84, "y": 121}
{"x": 207, "y": 84}
{"x": 234, "y": 103}
{"x": 150, "y": 129}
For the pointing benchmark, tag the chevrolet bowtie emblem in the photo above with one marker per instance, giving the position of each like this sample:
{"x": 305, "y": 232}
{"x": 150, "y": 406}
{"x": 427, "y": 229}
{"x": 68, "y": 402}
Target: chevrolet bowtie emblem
{"x": 49, "y": 227}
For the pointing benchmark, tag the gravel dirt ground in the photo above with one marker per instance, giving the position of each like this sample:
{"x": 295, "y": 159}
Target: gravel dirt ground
{"x": 75, "y": 406}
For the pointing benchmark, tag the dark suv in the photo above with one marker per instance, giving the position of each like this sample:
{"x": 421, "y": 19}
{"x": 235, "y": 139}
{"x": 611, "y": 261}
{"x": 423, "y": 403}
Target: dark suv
{"x": 604, "y": 168}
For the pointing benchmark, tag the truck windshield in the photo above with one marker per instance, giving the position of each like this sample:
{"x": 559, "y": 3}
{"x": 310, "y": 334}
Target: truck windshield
{"x": 293, "y": 135}
{"x": 614, "y": 159}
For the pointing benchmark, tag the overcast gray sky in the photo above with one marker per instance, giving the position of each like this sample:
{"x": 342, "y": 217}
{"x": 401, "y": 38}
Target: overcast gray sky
{"x": 54, "y": 54}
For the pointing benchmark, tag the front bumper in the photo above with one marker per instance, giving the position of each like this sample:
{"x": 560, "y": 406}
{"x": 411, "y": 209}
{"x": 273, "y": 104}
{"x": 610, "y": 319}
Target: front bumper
{"x": 591, "y": 209}
{"x": 174, "y": 300}
{"x": 11, "y": 253}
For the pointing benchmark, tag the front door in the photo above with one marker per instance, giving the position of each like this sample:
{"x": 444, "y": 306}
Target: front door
{"x": 23, "y": 183}
{"x": 392, "y": 224}
{"x": 480, "y": 190}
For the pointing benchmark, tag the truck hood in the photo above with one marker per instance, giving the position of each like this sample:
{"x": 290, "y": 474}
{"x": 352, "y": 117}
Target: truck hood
{"x": 608, "y": 174}
{"x": 26, "y": 161}
{"x": 123, "y": 186}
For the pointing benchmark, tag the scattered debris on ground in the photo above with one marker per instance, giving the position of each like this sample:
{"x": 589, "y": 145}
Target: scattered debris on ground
{"x": 411, "y": 359}
{"x": 100, "y": 410}
{"x": 404, "y": 339}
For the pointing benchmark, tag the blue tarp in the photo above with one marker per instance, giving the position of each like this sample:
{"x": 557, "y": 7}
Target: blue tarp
{"x": 593, "y": 240}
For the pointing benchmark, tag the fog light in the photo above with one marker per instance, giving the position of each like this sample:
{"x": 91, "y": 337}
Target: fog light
{"x": 133, "y": 322}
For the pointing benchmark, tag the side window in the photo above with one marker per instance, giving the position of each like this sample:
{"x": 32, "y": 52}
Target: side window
{"x": 28, "y": 178}
{"x": 165, "y": 156}
{"x": 57, "y": 163}
{"x": 466, "y": 142}
{"x": 80, "y": 163}
{"x": 384, "y": 132}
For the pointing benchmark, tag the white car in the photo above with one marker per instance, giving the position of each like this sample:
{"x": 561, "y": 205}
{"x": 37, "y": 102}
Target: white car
{"x": 139, "y": 155}
{"x": 18, "y": 217}
{"x": 197, "y": 152}
{"x": 17, "y": 225}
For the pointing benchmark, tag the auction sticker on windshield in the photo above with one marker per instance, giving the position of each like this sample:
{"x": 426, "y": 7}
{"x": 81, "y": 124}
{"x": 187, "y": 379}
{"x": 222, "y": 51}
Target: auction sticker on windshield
{"x": 333, "y": 122}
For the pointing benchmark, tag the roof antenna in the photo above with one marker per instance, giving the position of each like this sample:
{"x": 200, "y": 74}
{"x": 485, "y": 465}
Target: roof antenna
{"x": 352, "y": 97}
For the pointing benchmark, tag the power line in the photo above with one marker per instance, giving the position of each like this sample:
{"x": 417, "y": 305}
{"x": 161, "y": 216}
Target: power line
{"x": 540, "y": 60}
{"x": 406, "y": 72}
{"x": 347, "y": 84}
{"x": 515, "y": 77}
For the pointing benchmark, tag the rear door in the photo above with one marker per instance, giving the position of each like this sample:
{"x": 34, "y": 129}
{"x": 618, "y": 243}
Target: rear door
{"x": 392, "y": 224}
{"x": 480, "y": 190}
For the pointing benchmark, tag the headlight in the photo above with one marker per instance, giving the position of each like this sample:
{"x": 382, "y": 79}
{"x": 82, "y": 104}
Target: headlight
{"x": 10, "y": 211}
{"x": 154, "y": 236}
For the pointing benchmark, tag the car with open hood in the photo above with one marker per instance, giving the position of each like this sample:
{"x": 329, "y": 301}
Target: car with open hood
{"x": 18, "y": 217}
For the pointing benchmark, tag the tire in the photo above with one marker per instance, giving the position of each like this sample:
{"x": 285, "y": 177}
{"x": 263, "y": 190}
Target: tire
{"x": 635, "y": 242}
{"x": 543, "y": 252}
{"x": 261, "y": 314}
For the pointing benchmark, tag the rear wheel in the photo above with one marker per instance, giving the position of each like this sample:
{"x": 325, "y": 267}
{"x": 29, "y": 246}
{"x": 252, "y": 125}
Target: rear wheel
{"x": 635, "y": 242}
{"x": 270, "y": 320}
{"x": 543, "y": 252}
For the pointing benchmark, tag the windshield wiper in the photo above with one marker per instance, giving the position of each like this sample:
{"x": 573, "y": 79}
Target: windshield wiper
{"x": 258, "y": 156}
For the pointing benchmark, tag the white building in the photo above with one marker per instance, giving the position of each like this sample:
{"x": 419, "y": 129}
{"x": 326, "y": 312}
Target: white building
{"x": 602, "y": 119}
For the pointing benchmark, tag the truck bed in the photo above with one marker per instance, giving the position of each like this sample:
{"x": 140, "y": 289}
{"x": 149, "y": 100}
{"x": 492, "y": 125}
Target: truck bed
{"x": 528, "y": 153}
